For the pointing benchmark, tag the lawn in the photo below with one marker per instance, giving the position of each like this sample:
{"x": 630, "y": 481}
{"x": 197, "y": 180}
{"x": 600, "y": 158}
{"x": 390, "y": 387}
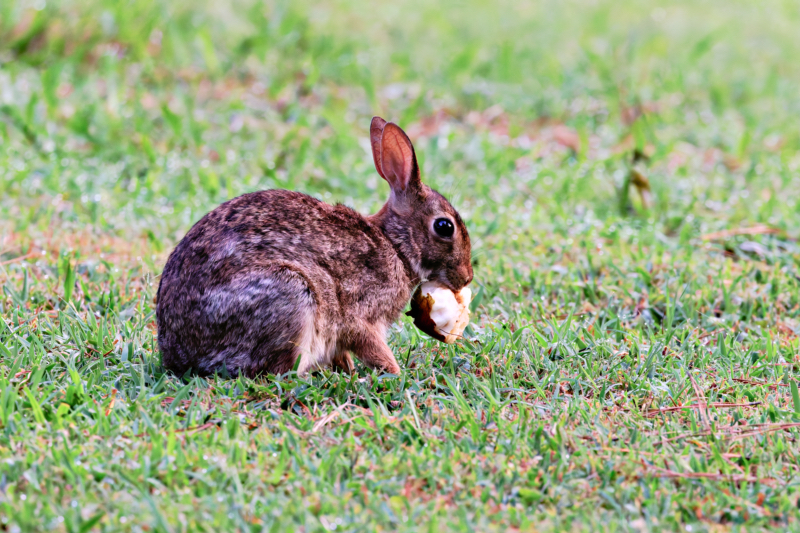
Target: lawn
{"x": 629, "y": 173}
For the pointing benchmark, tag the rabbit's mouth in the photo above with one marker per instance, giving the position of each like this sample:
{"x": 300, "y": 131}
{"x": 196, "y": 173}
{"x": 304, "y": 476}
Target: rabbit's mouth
{"x": 423, "y": 274}
{"x": 445, "y": 280}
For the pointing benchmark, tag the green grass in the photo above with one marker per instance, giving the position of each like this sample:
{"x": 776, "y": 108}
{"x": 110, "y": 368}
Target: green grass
{"x": 604, "y": 311}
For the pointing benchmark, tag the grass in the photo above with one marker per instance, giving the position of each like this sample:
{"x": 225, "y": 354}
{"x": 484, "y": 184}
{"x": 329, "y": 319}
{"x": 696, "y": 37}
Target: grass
{"x": 628, "y": 172}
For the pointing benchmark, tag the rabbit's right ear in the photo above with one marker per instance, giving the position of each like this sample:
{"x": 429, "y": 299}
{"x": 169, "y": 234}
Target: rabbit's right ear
{"x": 394, "y": 156}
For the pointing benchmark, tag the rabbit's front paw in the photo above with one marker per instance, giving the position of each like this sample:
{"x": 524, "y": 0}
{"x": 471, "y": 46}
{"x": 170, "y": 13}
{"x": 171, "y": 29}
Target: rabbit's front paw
{"x": 393, "y": 369}
{"x": 343, "y": 362}
{"x": 371, "y": 348}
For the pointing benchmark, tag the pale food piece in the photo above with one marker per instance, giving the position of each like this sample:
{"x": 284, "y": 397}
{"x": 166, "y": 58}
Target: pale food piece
{"x": 440, "y": 312}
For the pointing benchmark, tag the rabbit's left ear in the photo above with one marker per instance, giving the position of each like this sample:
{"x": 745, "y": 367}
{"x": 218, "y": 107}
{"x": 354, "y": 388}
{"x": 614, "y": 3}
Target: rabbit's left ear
{"x": 375, "y": 134}
{"x": 394, "y": 156}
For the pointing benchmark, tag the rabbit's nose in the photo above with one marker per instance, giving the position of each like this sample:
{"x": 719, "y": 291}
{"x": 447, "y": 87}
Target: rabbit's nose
{"x": 465, "y": 275}
{"x": 469, "y": 274}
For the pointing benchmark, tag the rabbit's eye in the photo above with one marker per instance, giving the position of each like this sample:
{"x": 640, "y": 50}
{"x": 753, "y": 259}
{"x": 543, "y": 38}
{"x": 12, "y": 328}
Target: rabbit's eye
{"x": 443, "y": 227}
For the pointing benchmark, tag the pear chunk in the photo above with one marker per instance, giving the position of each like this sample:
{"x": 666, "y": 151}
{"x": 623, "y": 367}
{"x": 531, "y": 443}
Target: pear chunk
{"x": 440, "y": 312}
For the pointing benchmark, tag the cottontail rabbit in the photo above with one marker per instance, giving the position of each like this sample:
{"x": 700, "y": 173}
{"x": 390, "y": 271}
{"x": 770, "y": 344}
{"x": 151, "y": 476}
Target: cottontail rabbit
{"x": 275, "y": 275}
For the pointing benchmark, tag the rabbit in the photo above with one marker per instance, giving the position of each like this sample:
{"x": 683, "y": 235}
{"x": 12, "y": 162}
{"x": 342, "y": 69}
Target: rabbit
{"x": 275, "y": 275}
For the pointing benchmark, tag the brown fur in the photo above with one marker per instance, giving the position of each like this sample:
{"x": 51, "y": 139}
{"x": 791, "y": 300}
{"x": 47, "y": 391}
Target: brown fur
{"x": 275, "y": 275}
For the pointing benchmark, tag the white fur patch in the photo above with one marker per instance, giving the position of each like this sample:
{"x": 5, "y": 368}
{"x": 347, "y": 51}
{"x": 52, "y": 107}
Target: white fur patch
{"x": 316, "y": 349}
{"x": 227, "y": 248}
{"x": 220, "y": 303}
{"x": 419, "y": 271}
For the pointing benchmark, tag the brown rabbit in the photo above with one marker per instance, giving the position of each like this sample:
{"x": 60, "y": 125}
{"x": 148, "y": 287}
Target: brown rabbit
{"x": 275, "y": 275}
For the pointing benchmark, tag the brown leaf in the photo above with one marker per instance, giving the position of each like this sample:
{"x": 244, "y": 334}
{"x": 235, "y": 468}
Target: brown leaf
{"x": 642, "y": 185}
{"x": 567, "y": 137}
{"x": 421, "y": 307}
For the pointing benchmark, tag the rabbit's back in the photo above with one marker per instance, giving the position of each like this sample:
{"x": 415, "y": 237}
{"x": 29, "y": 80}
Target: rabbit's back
{"x": 269, "y": 274}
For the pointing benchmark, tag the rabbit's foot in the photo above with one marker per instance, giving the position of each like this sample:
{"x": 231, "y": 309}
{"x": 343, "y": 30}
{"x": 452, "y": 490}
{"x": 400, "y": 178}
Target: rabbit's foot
{"x": 371, "y": 348}
{"x": 343, "y": 362}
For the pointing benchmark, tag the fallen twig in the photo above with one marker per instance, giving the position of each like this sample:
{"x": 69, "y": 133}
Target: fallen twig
{"x": 20, "y": 258}
{"x": 559, "y": 317}
{"x": 753, "y": 230}
{"x": 773, "y": 386}
{"x": 716, "y": 405}
{"x": 737, "y": 432}
{"x": 194, "y": 429}
{"x": 658, "y": 455}
{"x": 663, "y": 472}
{"x": 702, "y": 406}
{"x": 762, "y": 430}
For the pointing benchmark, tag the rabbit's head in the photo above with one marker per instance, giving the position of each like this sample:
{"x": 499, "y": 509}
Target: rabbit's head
{"x": 424, "y": 228}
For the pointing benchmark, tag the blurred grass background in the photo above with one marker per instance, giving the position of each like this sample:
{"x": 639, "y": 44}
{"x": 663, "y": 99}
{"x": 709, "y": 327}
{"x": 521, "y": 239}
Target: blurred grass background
{"x": 629, "y": 175}
{"x": 149, "y": 98}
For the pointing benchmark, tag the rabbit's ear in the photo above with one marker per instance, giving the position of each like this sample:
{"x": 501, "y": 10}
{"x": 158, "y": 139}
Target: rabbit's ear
{"x": 398, "y": 162}
{"x": 375, "y": 134}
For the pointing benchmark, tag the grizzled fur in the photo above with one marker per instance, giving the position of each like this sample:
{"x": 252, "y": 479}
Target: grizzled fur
{"x": 275, "y": 275}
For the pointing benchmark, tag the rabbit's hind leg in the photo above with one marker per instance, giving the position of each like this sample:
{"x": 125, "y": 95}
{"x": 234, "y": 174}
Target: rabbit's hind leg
{"x": 263, "y": 320}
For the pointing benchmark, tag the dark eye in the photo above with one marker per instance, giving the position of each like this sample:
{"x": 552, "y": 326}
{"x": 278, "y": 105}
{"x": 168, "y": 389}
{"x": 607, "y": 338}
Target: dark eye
{"x": 443, "y": 227}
